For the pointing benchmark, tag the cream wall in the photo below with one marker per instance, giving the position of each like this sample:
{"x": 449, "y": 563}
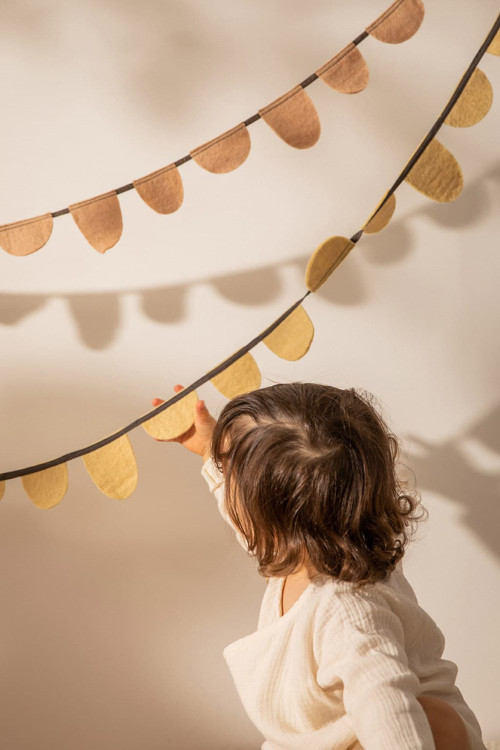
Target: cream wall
{"x": 114, "y": 614}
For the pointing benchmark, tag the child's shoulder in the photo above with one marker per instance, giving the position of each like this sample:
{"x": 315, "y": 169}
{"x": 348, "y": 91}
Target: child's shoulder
{"x": 349, "y": 604}
{"x": 387, "y": 611}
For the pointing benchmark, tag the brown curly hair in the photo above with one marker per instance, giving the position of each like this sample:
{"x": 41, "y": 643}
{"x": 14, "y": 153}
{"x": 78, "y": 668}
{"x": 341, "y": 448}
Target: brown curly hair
{"x": 310, "y": 474}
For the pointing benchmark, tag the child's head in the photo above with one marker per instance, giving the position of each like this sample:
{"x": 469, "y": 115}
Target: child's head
{"x": 311, "y": 479}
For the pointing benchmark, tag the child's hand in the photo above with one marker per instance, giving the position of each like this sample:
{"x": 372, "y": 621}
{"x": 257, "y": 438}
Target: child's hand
{"x": 197, "y": 438}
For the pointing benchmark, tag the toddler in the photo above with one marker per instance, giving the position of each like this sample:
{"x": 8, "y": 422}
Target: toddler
{"x": 343, "y": 657}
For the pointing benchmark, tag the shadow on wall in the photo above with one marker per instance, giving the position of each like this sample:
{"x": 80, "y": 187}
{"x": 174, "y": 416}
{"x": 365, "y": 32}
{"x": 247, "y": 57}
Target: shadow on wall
{"x": 157, "y": 47}
{"x": 466, "y": 470}
{"x": 97, "y": 315}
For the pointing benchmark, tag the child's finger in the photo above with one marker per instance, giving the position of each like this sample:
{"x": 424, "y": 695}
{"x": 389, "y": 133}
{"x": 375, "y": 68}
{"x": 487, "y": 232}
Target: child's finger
{"x": 202, "y": 412}
{"x": 201, "y": 408}
{"x": 158, "y": 401}
{"x": 203, "y": 418}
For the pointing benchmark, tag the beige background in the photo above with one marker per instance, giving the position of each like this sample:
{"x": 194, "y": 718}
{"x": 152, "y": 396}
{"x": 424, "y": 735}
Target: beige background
{"x": 115, "y": 614}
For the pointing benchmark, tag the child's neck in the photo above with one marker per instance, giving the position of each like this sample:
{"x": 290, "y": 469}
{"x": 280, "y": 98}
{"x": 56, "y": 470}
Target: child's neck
{"x": 294, "y": 585}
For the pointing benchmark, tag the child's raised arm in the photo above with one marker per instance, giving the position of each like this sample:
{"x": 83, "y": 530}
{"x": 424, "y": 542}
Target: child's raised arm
{"x": 197, "y": 438}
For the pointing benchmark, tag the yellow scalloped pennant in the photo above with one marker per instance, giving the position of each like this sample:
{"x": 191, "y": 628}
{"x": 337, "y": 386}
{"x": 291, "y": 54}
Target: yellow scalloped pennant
{"x": 347, "y": 72}
{"x": 399, "y": 22}
{"x": 382, "y": 216}
{"x": 325, "y": 260}
{"x": 293, "y": 118}
{"x": 293, "y": 337}
{"x": 225, "y": 153}
{"x": 494, "y": 48}
{"x": 473, "y": 103}
{"x": 437, "y": 174}
{"x": 174, "y": 421}
{"x": 47, "y": 488}
{"x": 100, "y": 220}
{"x": 113, "y": 468}
{"x": 240, "y": 377}
{"x": 162, "y": 190}
{"x": 27, "y": 236}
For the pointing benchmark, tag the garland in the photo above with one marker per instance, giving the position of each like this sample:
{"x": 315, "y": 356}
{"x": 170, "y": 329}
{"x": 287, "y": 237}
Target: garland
{"x": 432, "y": 170}
{"x": 292, "y": 116}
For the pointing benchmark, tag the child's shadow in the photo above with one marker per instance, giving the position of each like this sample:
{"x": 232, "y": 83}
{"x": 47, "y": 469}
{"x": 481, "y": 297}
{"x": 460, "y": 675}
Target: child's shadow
{"x": 466, "y": 470}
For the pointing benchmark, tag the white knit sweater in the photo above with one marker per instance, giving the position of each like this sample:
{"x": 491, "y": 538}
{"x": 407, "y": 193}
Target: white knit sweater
{"x": 343, "y": 668}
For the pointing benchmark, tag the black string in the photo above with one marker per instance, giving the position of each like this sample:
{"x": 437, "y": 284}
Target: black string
{"x": 166, "y": 404}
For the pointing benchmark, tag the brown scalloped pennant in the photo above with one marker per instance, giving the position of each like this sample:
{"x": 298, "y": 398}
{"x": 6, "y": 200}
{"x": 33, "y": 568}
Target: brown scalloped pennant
{"x": 174, "y": 421}
{"x": 437, "y": 174}
{"x": 27, "y": 236}
{"x": 293, "y": 337}
{"x": 2, "y": 489}
{"x": 382, "y": 216}
{"x": 225, "y": 153}
{"x": 293, "y": 118}
{"x": 494, "y": 48}
{"x": 473, "y": 103}
{"x": 240, "y": 377}
{"x": 47, "y": 488}
{"x": 113, "y": 468}
{"x": 100, "y": 220}
{"x": 347, "y": 72}
{"x": 162, "y": 190}
{"x": 399, "y": 22}
{"x": 325, "y": 260}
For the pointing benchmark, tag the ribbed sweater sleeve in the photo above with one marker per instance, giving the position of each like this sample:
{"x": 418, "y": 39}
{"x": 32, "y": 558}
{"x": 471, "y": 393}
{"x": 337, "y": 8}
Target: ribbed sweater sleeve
{"x": 363, "y": 645}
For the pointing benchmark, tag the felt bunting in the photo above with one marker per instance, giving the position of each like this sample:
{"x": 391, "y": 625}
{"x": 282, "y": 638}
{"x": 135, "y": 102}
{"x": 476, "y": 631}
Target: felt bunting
{"x": 174, "y": 421}
{"x": 162, "y": 190}
{"x": 100, "y": 220}
{"x": 494, "y": 48}
{"x": 381, "y": 216}
{"x": 240, "y": 377}
{"x": 432, "y": 169}
{"x": 347, "y": 72}
{"x": 292, "y": 339}
{"x": 294, "y": 118}
{"x": 437, "y": 174}
{"x": 47, "y": 488}
{"x": 25, "y": 237}
{"x": 325, "y": 260}
{"x": 225, "y": 153}
{"x": 2, "y": 489}
{"x": 111, "y": 462}
{"x": 399, "y": 22}
{"x": 113, "y": 468}
{"x": 474, "y": 102}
